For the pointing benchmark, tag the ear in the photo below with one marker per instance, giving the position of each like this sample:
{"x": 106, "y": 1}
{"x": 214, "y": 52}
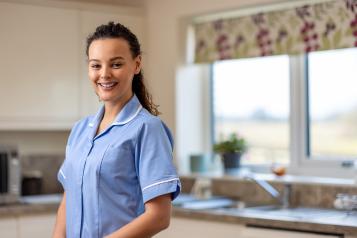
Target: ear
{"x": 137, "y": 64}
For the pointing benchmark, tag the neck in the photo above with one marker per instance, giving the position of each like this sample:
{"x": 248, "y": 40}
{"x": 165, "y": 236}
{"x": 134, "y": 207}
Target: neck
{"x": 113, "y": 108}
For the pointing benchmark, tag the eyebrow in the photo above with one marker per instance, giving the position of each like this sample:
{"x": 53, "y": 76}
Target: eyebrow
{"x": 111, "y": 59}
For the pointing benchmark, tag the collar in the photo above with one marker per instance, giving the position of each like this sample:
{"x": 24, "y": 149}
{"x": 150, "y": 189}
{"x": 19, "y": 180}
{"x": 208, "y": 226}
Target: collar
{"x": 130, "y": 110}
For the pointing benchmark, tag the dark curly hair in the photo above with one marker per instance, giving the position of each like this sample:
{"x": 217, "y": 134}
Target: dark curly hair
{"x": 112, "y": 30}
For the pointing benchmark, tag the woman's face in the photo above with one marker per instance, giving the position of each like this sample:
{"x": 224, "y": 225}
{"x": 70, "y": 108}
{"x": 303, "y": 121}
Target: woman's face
{"x": 111, "y": 69}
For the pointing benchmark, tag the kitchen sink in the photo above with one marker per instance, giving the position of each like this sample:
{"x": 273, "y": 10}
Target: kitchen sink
{"x": 188, "y": 201}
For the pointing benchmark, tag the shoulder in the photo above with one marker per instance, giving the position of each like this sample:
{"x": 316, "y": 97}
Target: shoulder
{"x": 79, "y": 127}
{"x": 150, "y": 121}
{"x": 152, "y": 125}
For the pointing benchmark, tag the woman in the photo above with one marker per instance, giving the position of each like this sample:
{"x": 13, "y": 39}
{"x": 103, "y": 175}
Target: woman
{"x": 118, "y": 175}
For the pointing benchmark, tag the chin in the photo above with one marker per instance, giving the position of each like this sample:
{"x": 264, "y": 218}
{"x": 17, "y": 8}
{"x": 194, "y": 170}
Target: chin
{"x": 107, "y": 99}
{"x": 114, "y": 96}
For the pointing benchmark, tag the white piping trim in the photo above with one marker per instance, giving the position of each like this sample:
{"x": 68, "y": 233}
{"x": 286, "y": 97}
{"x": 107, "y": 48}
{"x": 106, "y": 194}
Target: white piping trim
{"x": 62, "y": 174}
{"x": 157, "y": 183}
{"x": 131, "y": 118}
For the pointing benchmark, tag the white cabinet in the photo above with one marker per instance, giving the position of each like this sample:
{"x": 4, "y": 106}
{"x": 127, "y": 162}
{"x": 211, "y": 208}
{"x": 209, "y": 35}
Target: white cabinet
{"x": 39, "y": 226}
{"x": 43, "y": 66}
{"x": 8, "y": 227}
{"x": 39, "y": 66}
{"x": 251, "y": 232}
{"x": 189, "y": 228}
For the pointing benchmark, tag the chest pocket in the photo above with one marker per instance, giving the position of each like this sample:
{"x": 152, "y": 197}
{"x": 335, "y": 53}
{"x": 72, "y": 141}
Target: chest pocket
{"x": 117, "y": 169}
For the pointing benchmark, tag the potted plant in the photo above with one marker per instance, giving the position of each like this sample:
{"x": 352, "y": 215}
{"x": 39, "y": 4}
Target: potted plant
{"x": 231, "y": 151}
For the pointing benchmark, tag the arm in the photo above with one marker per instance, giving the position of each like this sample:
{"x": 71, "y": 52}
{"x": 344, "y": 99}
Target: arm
{"x": 60, "y": 226}
{"x": 155, "y": 219}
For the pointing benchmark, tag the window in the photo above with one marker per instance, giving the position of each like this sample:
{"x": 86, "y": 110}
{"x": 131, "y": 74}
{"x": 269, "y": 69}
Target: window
{"x": 297, "y": 109}
{"x": 332, "y": 104}
{"x": 251, "y": 98}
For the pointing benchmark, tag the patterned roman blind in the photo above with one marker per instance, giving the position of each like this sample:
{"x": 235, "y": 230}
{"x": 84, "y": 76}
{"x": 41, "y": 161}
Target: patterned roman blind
{"x": 323, "y": 26}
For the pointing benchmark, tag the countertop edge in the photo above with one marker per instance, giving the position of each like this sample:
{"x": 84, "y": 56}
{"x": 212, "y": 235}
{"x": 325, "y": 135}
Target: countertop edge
{"x": 304, "y": 226}
{"x": 16, "y": 210}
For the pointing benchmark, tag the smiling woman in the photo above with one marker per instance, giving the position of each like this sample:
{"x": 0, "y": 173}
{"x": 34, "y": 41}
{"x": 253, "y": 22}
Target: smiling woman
{"x": 118, "y": 174}
{"x": 111, "y": 69}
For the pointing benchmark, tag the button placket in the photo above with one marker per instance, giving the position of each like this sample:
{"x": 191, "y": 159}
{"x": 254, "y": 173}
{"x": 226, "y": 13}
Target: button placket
{"x": 88, "y": 149}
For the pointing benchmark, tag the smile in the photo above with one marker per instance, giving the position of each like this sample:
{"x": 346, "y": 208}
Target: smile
{"x": 107, "y": 85}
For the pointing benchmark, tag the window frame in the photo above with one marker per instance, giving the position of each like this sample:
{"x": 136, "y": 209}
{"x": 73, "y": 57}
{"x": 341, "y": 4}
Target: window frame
{"x": 300, "y": 162}
{"x": 303, "y": 162}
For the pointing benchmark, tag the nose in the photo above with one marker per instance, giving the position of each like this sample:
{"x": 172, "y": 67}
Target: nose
{"x": 105, "y": 73}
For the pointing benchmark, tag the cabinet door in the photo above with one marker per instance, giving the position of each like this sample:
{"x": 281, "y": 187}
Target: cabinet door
{"x": 39, "y": 66}
{"x": 189, "y": 228}
{"x": 250, "y": 232}
{"x": 39, "y": 226}
{"x": 8, "y": 227}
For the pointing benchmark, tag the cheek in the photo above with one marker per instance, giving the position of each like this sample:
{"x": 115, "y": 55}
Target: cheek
{"x": 92, "y": 76}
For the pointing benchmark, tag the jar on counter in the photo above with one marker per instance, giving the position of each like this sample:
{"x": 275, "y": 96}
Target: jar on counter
{"x": 32, "y": 182}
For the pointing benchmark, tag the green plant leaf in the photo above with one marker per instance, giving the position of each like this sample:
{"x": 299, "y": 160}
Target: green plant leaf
{"x": 233, "y": 144}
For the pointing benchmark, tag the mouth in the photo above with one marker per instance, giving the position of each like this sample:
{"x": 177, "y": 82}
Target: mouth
{"x": 107, "y": 86}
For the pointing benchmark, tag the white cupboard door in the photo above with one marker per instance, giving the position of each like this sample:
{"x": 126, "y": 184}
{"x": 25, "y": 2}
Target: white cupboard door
{"x": 189, "y": 228}
{"x": 8, "y": 227}
{"x": 252, "y": 232}
{"x": 39, "y": 226}
{"x": 39, "y": 66}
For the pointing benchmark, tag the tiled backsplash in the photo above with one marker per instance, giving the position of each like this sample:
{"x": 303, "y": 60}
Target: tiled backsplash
{"x": 309, "y": 195}
{"x": 48, "y": 166}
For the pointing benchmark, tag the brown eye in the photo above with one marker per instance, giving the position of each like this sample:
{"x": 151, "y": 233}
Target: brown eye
{"x": 95, "y": 66}
{"x": 116, "y": 65}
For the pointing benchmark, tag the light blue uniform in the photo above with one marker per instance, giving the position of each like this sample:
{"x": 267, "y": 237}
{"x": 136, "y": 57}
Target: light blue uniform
{"x": 109, "y": 177}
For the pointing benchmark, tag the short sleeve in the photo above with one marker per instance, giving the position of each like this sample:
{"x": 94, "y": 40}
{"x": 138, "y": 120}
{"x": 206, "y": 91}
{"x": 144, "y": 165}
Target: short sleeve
{"x": 61, "y": 175}
{"x": 62, "y": 172}
{"x": 156, "y": 171}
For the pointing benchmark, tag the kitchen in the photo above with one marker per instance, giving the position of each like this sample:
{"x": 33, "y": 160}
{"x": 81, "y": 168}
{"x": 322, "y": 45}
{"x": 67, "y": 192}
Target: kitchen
{"x": 39, "y": 121}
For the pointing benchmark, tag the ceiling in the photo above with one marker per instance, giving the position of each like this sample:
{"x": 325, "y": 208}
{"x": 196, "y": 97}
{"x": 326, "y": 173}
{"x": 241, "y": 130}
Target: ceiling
{"x": 132, "y": 3}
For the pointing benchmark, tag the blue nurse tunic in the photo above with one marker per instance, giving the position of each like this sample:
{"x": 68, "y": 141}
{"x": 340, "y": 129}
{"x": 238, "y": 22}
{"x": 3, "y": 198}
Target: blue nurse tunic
{"x": 109, "y": 177}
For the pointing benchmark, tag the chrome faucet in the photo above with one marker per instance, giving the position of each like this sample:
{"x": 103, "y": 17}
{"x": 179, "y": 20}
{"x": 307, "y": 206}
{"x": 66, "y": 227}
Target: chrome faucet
{"x": 283, "y": 199}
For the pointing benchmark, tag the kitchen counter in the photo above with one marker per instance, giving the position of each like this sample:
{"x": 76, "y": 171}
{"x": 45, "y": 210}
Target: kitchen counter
{"x": 32, "y": 205}
{"x": 342, "y": 225}
{"x": 339, "y": 226}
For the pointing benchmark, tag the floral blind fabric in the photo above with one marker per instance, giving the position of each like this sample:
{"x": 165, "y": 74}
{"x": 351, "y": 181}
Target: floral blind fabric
{"x": 324, "y": 26}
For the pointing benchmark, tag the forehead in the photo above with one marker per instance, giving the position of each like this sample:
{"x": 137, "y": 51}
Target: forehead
{"x": 108, "y": 48}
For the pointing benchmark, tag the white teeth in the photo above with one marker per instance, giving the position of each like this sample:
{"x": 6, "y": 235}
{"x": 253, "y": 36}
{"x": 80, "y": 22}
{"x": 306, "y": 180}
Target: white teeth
{"x": 107, "y": 85}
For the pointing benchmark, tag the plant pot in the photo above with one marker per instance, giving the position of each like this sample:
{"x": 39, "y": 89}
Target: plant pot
{"x": 231, "y": 161}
